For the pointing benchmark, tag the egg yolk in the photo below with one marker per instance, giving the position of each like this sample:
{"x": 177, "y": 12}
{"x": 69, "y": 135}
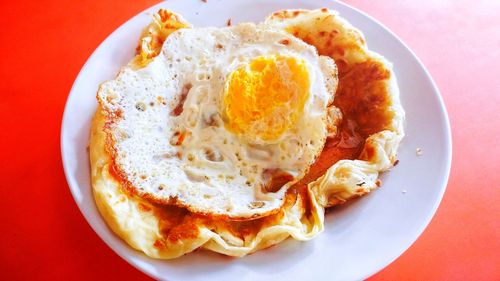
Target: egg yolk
{"x": 263, "y": 99}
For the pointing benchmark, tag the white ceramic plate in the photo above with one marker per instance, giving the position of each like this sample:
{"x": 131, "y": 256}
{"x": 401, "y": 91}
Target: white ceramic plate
{"x": 360, "y": 238}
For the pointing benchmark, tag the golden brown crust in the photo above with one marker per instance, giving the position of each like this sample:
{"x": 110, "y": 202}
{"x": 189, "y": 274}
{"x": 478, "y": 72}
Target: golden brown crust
{"x": 363, "y": 96}
{"x": 164, "y": 23}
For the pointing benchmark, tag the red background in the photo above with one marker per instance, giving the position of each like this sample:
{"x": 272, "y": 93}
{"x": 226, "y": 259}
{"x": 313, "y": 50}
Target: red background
{"x": 45, "y": 43}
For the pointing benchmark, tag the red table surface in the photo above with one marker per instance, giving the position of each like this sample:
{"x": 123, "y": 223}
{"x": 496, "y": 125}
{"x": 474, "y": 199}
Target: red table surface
{"x": 45, "y": 43}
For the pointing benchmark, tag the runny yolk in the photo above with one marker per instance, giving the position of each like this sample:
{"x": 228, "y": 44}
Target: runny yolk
{"x": 263, "y": 99}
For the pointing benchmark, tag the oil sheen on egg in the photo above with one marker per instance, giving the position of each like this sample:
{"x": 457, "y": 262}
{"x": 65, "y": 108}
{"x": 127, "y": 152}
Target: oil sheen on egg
{"x": 222, "y": 121}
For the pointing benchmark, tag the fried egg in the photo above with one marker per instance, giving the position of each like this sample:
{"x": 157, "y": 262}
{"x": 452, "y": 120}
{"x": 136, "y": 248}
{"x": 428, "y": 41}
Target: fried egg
{"x": 222, "y": 121}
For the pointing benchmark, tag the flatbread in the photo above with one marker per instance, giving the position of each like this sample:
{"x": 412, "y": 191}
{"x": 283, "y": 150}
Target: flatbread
{"x": 364, "y": 145}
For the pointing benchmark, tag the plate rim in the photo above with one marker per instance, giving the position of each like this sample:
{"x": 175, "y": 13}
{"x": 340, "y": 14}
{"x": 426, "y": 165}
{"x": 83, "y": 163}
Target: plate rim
{"x": 73, "y": 184}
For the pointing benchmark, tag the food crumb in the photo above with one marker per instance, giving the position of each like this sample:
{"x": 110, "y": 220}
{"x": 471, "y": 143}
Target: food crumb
{"x": 419, "y": 151}
{"x": 404, "y": 191}
{"x": 229, "y": 22}
{"x": 285, "y": 42}
{"x": 204, "y": 1}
